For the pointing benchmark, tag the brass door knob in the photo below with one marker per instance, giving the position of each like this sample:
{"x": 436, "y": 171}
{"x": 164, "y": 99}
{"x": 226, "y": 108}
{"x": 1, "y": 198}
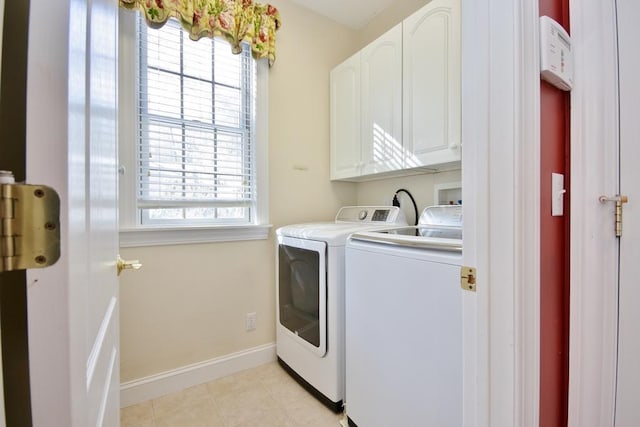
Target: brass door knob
{"x": 127, "y": 265}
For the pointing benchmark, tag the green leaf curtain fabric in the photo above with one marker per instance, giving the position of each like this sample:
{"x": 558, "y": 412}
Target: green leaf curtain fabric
{"x": 235, "y": 20}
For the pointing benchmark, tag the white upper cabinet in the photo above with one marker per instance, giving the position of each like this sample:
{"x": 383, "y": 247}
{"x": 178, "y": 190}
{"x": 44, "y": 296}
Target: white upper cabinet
{"x": 344, "y": 81}
{"x": 431, "y": 83}
{"x": 395, "y": 105}
{"x": 381, "y": 103}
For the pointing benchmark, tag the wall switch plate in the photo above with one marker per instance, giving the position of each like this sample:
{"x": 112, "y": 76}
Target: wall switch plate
{"x": 557, "y": 194}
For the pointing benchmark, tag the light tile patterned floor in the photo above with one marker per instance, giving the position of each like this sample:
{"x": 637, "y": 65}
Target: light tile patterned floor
{"x": 265, "y": 396}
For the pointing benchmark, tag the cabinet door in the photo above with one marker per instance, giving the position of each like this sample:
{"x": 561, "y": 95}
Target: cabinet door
{"x": 381, "y": 107}
{"x": 345, "y": 119}
{"x": 431, "y": 80}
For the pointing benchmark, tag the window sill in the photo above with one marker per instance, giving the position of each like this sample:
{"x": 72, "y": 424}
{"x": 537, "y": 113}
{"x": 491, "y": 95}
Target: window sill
{"x": 136, "y": 237}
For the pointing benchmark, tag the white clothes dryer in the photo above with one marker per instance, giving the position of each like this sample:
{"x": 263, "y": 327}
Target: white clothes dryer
{"x": 310, "y": 297}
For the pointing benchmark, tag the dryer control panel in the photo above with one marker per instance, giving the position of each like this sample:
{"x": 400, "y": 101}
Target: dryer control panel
{"x": 371, "y": 214}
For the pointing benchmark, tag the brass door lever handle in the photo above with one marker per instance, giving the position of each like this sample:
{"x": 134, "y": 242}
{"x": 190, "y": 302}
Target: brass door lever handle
{"x": 127, "y": 265}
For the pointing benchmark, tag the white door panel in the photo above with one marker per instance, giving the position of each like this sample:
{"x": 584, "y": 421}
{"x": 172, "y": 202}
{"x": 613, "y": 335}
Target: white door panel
{"x": 103, "y": 325}
{"x": 2, "y": 416}
{"x": 71, "y": 146}
{"x": 345, "y": 119}
{"x": 628, "y": 398}
{"x": 381, "y": 95}
{"x": 431, "y": 84}
{"x": 594, "y": 257}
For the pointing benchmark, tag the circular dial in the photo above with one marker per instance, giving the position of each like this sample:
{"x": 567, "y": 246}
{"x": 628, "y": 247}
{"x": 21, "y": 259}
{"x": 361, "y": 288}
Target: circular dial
{"x": 362, "y": 215}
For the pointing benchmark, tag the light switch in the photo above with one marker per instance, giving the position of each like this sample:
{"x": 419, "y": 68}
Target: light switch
{"x": 557, "y": 194}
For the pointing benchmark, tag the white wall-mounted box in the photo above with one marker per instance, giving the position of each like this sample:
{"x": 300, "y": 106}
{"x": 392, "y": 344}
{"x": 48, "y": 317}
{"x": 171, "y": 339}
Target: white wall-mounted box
{"x": 556, "y": 57}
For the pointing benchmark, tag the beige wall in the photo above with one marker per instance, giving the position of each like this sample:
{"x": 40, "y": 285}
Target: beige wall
{"x": 309, "y": 46}
{"x": 188, "y": 303}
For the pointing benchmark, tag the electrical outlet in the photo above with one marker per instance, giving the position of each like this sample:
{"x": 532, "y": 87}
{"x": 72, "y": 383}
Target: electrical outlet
{"x": 251, "y": 322}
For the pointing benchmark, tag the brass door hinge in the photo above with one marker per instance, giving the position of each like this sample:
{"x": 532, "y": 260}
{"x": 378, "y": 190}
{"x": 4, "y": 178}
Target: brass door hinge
{"x": 619, "y": 200}
{"x": 468, "y": 278}
{"x": 29, "y": 226}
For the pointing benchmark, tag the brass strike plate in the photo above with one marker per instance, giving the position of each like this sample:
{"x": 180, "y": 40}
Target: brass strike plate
{"x": 468, "y": 278}
{"x": 30, "y": 227}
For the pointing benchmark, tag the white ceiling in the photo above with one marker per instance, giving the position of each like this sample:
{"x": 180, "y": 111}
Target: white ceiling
{"x": 352, "y": 13}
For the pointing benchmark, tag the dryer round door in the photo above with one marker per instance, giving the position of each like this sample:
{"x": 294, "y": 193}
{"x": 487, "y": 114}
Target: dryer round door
{"x": 302, "y": 296}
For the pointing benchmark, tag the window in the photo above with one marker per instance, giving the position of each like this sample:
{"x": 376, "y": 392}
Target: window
{"x": 189, "y": 135}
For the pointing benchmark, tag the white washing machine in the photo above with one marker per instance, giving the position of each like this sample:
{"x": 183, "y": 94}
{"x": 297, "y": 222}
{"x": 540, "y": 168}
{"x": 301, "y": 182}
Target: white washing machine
{"x": 404, "y": 323}
{"x": 310, "y": 297}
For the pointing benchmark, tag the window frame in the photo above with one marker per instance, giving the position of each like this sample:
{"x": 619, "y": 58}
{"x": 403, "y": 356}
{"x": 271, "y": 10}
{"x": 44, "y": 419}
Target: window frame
{"x": 132, "y": 231}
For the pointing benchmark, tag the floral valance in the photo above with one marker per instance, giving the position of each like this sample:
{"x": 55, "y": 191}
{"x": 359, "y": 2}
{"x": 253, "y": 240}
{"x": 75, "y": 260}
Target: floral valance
{"x": 235, "y": 20}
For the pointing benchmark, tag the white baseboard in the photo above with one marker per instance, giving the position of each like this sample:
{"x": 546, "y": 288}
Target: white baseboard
{"x": 154, "y": 386}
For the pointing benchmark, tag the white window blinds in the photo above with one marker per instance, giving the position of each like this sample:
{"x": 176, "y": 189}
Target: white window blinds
{"x": 196, "y": 160}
